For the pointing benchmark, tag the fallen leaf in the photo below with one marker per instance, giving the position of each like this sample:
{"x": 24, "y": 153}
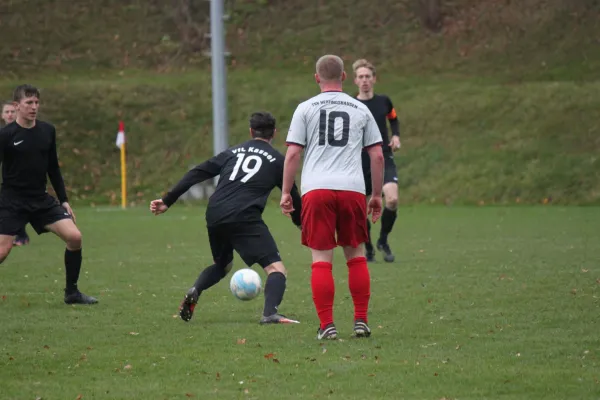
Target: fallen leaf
{"x": 46, "y": 346}
{"x": 218, "y": 376}
{"x": 376, "y": 359}
{"x": 83, "y": 357}
{"x": 584, "y": 270}
{"x": 79, "y": 397}
{"x": 128, "y": 366}
{"x": 133, "y": 333}
{"x": 89, "y": 347}
{"x": 189, "y": 395}
{"x": 573, "y": 291}
{"x": 269, "y": 356}
{"x": 435, "y": 374}
{"x": 246, "y": 391}
{"x": 458, "y": 347}
{"x": 276, "y": 360}
{"x": 346, "y": 357}
{"x": 241, "y": 341}
{"x": 363, "y": 357}
{"x": 329, "y": 374}
{"x": 11, "y": 358}
{"x": 3, "y": 297}
{"x": 371, "y": 374}
{"x": 324, "y": 350}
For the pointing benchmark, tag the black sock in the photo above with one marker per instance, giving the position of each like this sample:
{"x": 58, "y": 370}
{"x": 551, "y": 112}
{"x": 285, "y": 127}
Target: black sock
{"x": 72, "y": 268}
{"x": 369, "y": 245}
{"x": 274, "y": 289}
{"x": 209, "y": 277}
{"x": 388, "y": 218}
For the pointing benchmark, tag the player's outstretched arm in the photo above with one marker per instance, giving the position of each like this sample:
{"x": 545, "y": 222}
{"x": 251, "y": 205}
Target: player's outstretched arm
{"x": 200, "y": 173}
{"x": 290, "y": 167}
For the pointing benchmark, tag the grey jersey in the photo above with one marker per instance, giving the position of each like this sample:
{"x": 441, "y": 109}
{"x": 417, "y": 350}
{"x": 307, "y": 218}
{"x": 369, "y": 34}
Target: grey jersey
{"x": 333, "y": 127}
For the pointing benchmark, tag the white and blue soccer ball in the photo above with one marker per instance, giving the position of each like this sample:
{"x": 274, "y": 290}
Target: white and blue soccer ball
{"x": 245, "y": 284}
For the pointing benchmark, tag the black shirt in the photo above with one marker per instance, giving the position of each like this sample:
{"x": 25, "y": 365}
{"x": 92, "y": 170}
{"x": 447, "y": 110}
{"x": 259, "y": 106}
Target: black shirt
{"x": 383, "y": 110}
{"x": 248, "y": 173}
{"x": 28, "y": 157}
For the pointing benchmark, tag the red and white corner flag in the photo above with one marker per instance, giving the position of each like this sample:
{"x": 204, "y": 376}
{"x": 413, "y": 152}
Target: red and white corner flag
{"x": 121, "y": 135}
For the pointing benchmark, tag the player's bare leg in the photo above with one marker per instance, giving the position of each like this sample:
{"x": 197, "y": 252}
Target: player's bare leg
{"x": 70, "y": 234}
{"x": 209, "y": 277}
{"x": 6, "y": 244}
{"x": 359, "y": 283}
{"x": 388, "y": 218}
{"x": 274, "y": 290}
{"x": 323, "y": 289}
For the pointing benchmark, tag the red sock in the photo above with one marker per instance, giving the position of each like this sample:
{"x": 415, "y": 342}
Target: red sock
{"x": 359, "y": 282}
{"x": 323, "y": 290}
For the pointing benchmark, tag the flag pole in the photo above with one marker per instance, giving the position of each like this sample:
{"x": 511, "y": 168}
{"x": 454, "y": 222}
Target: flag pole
{"x": 122, "y": 143}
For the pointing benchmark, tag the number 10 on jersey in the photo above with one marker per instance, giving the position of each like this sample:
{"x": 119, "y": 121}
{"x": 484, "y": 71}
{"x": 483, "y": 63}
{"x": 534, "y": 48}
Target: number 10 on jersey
{"x": 327, "y": 128}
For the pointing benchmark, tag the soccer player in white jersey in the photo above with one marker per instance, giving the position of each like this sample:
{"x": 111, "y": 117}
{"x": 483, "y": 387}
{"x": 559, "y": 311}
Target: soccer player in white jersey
{"x": 333, "y": 128}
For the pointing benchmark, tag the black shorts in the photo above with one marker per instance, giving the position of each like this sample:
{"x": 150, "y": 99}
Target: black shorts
{"x": 390, "y": 173}
{"x": 16, "y": 212}
{"x": 251, "y": 240}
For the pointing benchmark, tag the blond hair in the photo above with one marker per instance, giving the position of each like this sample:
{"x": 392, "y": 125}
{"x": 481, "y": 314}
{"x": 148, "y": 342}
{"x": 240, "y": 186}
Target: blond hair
{"x": 330, "y": 68}
{"x": 363, "y": 63}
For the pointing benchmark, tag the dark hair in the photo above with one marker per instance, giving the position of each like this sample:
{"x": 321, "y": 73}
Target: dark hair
{"x": 262, "y": 125}
{"x": 24, "y": 91}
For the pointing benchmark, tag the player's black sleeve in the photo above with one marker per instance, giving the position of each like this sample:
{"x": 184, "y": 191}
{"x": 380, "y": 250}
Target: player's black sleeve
{"x": 3, "y": 140}
{"x": 200, "y": 173}
{"x": 54, "y": 172}
{"x": 297, "y": 202}
{"x": 393, "y": 118}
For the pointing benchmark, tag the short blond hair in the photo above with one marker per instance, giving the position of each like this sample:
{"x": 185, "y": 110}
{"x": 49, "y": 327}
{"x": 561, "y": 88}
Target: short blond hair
{"x": 330, "y": 68}
{"x": 363, "y": 63}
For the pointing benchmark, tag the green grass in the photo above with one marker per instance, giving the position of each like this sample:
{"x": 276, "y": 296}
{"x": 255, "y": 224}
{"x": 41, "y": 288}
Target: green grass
{"x": 484, "y": 303}
{"x": 465, "y": 140}
{"x": 500, "y": 107}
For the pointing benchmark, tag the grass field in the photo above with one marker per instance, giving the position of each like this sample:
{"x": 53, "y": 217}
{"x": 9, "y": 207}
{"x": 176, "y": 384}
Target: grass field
{"x": 484, "y": 303}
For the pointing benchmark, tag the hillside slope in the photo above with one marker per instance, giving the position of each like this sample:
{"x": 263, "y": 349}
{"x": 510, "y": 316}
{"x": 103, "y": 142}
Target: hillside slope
{"x": 501, "y": 106}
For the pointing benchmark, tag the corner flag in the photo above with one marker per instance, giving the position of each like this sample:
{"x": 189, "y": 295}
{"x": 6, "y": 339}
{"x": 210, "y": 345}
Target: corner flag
{"x": 121, "y": 144}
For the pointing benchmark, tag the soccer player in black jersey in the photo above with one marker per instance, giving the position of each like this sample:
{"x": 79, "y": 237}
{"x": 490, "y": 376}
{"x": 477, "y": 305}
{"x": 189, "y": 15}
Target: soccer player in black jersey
{"x": 9, "y": 114}
{"x": 28, "y": 155}
{"x": 247, "y": 175}
{"x": 383, "y": 111}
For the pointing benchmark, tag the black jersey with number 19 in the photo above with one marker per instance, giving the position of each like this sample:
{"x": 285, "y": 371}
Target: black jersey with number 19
{"x": 247, "y": 175}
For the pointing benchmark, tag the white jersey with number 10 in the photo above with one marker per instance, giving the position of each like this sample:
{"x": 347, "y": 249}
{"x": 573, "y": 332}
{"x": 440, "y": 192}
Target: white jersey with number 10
{"x": 333, "y": 128}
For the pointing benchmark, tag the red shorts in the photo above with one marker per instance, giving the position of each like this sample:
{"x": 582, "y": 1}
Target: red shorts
{"x": 327, "y": 212}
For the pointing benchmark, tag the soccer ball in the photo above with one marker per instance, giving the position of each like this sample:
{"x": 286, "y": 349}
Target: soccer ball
{"x": 245, "y": 284}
